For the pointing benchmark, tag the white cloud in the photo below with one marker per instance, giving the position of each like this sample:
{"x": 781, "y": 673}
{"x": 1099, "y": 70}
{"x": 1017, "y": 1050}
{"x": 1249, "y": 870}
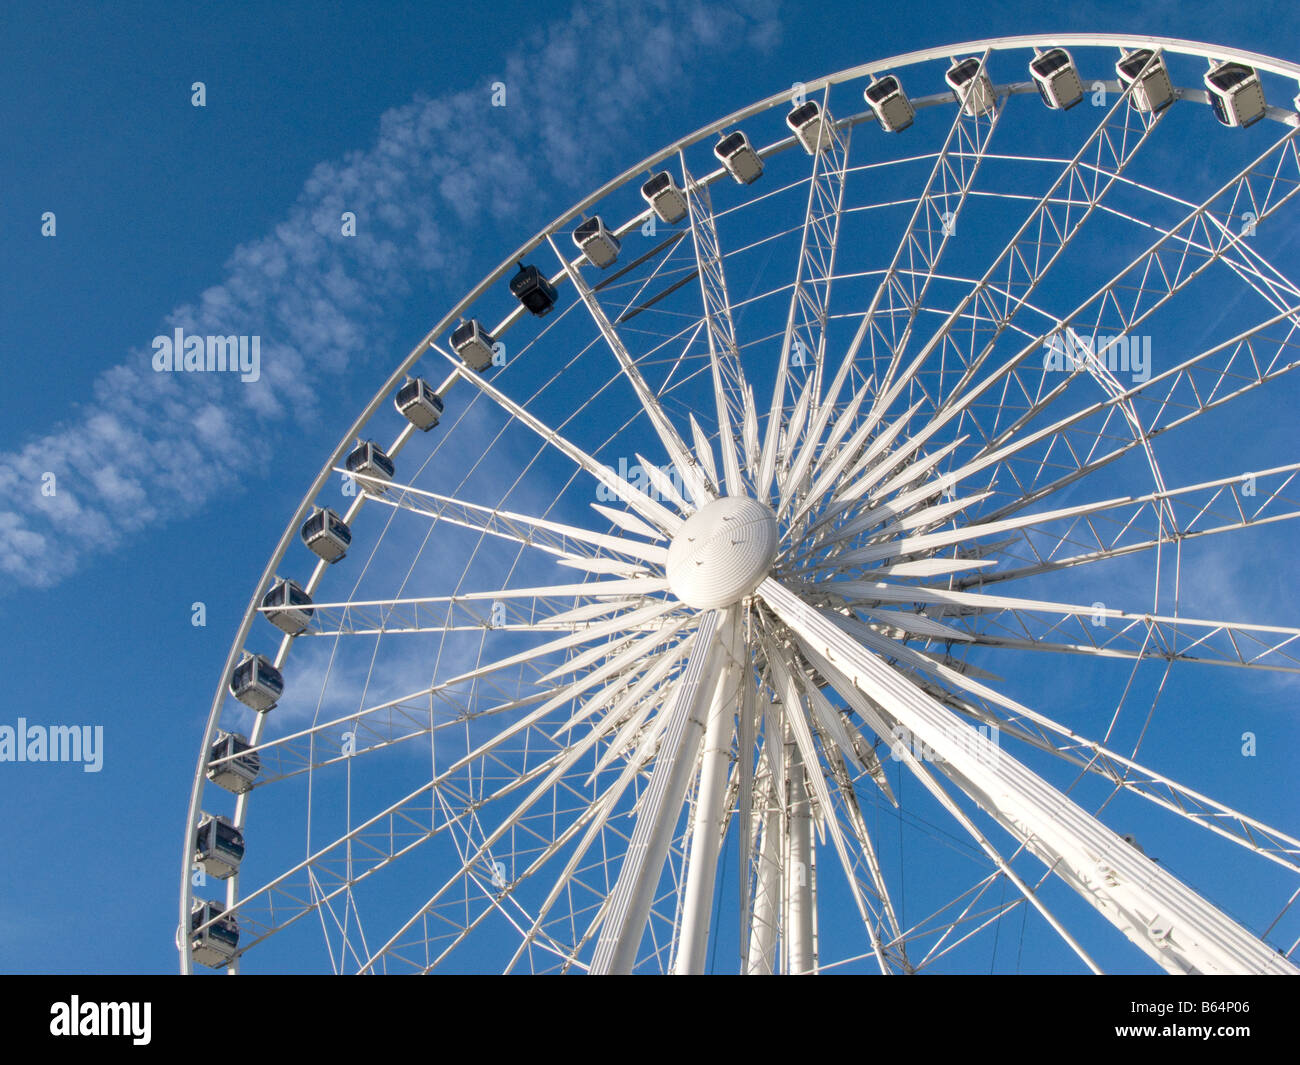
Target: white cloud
{"x": 153, "y": 447}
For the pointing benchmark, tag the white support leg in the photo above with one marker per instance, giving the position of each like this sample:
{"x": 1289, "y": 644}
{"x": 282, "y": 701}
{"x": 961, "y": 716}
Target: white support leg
{"x": 701, "y": 871}
{"x": 798, "y": 869}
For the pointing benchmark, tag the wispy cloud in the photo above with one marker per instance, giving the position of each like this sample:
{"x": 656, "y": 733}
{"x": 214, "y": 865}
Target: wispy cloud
{"x": 151, "y": 447}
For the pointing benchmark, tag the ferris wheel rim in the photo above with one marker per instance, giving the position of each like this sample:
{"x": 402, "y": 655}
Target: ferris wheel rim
{"x": 901, "y": 61}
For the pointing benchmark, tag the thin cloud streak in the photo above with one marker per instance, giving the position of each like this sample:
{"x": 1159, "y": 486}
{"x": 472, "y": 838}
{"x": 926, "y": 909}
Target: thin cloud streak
{"x": 152, "y": 447}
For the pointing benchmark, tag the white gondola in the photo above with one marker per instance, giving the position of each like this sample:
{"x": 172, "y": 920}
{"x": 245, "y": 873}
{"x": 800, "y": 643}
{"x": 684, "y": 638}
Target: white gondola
{"x": 370, "y": 460}
{"x": 326, "y": 534}
{"x": 231, "y": 765}
{"x": 814, "y": 128}
{"x": 894, "y": 111}
{"x": 1057, "y": 79}
{"x": 287, "y": 607}
{"x": 534, "y": 290}
{"x": 1235, "y": 94}
{"x": 218, "y": 846}
{"x": 971, "y": 84}
{"x": 1152, "y": 91}
{"x": 736, "y": 153}
{"x": 418, "y": 403}
{"x": 665, "y": 198}
{"x": 212, "y": 944}
{"x": 596, "y": 242}
{"x": 256, "y": 683}
{"x": 473, "y": 344}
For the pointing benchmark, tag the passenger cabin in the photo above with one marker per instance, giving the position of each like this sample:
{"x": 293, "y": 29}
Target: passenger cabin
{"x": 971, "y": 84}
{"x": 893, "y": 110}
{"x": 596, "y": 242}
{"x": 326, "y": 534}
{"x": 287, "y": 607}
{"x": 256, "y": 683}
{"x": 665, "y": 198}
{"x": 370, "y": 460}
{"x": 231, "y": 765}
{"x": 1152, "y": 91}
{"x": 218, "y": 846}
{"x": 814, "y": 128}
{"x": 1235, "y": 94}
{"x": 1057, "y": 79}
{"x": 473, "y": 344}
{"x": 214, "y": 936}
{"x": 419, "y": 404}
{"x": 736, "y": 154}
{"x": 531, "y": 288}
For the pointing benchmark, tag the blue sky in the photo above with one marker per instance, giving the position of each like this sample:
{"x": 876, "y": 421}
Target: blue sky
{"x": 173, "y": 215}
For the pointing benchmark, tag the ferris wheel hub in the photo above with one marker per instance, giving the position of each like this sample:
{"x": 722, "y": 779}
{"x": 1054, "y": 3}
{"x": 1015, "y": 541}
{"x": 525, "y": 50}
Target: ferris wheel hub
{"x": 722, "y": 552}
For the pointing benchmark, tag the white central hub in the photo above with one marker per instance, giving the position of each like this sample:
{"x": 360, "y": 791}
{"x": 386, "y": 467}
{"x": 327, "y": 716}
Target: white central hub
{"x": 722, "y": 552}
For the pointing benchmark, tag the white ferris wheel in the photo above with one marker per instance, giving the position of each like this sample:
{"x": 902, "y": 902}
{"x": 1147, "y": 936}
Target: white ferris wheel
{"x": 800, "y": 557}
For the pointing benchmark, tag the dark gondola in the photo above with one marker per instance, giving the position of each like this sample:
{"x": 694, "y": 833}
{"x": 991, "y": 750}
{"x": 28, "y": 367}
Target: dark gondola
{"x": 531, "y": 288}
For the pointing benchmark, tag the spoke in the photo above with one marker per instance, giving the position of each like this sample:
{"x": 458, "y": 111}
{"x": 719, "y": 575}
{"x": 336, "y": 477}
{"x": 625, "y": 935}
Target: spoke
{"x": 1040, "y": 241}
{"x": 1227, "y": 490}
{"x": 548, "y": 612}
{"x": 1174, "y": 638}
{"x": 810, "y": 298}
{"x": 1176, "y": 927}
{"x": 869, "y": 710}
{"x": 556, "y": 538}
{"x": 1209, "y": 509}
{"x": 907, "y": 281}
{"x": 1166, "y": 268}
{"x": 1244, "y": 348}
{"x": 1126, "y": 773}
{"x": 648, "y": 508}
{"x": 677, "y": 451}
{"x": 724, "y": 355}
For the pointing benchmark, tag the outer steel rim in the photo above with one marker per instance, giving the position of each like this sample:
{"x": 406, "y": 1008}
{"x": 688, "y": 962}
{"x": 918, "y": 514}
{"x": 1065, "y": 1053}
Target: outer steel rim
{"x": 1171, "y": 45}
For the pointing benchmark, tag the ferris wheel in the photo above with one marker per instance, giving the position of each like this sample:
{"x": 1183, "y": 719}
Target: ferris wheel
{"x": 803, "y": 556}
